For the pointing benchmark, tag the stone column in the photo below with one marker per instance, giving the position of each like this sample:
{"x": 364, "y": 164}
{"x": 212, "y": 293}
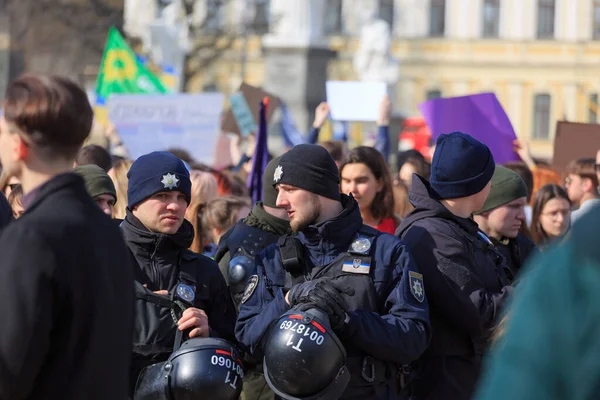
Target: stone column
{"x": 297, "y": 56}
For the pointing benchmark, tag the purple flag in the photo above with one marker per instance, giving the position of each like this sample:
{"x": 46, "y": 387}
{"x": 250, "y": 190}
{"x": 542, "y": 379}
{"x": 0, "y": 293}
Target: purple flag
{"x": 479, "y": 115}
{"x": 260, "y": 159}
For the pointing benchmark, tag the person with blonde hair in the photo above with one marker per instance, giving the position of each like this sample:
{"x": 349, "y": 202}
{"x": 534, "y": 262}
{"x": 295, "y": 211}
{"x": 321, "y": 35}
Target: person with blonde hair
{"x": 204, "y": 189}
{"x": 118, "y": 174}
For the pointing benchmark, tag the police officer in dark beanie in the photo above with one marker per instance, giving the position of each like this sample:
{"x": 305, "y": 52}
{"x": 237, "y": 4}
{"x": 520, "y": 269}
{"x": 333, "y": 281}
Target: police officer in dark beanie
{"x": 466, "y": 282}
{"x": 261, "y": 228}
{"x": 176, "y": 289}
{"x": 66, "y": 303}
{"x": 364, "y": 280}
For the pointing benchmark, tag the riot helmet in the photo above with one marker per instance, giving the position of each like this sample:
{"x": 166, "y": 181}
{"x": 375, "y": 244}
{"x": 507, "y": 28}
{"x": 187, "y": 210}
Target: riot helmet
{"x": 201, "y": 369}
{"x": 241, "y": 267}
{"x": 304, "y": 359}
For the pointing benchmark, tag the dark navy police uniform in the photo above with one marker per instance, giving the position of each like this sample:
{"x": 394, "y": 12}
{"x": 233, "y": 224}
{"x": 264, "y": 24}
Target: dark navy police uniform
{"x": 388, "y": 323}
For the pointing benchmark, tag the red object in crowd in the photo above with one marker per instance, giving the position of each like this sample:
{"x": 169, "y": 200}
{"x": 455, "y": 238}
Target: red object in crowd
{"x": 387, "y": 225}
{"x": 416, "y": 135}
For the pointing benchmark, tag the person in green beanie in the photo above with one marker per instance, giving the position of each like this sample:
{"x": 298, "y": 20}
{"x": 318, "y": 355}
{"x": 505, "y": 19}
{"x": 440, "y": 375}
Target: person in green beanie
{"x": 502, "y": 216}
{"x": 550, "y": 348}
{"x": 99, "y": 186}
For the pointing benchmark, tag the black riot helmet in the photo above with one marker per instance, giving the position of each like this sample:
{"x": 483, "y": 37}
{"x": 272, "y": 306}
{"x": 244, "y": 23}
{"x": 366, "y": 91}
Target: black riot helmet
{"x": 202, "y": 368}
{"x": 304, "y": 359}
{"x": 240, "y": 268}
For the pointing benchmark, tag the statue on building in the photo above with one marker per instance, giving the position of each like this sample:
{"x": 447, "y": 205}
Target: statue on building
{"x": 373, "y": 61}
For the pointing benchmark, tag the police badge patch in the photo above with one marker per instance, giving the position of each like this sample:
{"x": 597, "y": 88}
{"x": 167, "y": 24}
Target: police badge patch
{"x": 250, "y": 288}
{"x": 415, "y": 281}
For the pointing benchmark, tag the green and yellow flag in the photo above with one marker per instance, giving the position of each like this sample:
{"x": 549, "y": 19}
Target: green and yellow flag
{"x": 121, "y": 72}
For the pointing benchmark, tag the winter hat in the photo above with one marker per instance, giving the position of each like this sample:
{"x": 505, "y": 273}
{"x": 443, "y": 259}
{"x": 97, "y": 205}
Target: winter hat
{"x": 507, "y": 186}
{"x": 269, "y": 194}
{"x": 461, "y": 166}
{"x": 159, "y": 171}
{"x": 309, "y": 167}
{"x": 97, "y": 181}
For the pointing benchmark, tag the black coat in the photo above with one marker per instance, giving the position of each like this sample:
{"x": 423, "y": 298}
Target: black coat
{"x": 466, "y": 286}
{"x": 66, "y": 300}
{"x": 157, "y": 257}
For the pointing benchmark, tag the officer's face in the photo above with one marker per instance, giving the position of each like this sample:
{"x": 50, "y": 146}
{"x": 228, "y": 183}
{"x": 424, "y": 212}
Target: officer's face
{"x": 303, "y": 207}
{"x": 106, "y": 202}
{"x": 505, "y": 221}
{"x": 162, "y": 212}
{"x": 359, "y": 180}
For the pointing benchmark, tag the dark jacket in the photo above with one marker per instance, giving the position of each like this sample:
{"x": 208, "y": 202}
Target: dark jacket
{"x": 6, "y": 214}
{"x": 158, "y": 256}
{"x": 392, "y": 329}
{"x": 551, "y": 347}
{"x": 466, "y": 287}
{"x": 267, "y": 229}
{"x": 66, "y": 299}
{"x": 515, "y": 252}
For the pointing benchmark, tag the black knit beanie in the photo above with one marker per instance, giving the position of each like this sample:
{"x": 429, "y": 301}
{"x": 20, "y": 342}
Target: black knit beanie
{"x": 461, "y": 166}
{"x": 309, "y": 167}
{"x": 269, "y": 195}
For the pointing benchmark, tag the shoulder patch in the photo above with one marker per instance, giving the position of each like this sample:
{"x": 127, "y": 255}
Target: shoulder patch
{"x": 250, "y": 288}
{"x": 417, "y": 289}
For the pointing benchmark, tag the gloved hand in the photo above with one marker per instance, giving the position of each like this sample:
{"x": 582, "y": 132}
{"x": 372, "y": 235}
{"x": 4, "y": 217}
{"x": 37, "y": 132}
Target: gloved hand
{"x": 324, "y": 294}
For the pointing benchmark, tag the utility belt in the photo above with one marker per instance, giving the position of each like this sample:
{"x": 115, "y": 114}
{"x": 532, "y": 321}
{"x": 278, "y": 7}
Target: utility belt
{"x": 365, "y": 371}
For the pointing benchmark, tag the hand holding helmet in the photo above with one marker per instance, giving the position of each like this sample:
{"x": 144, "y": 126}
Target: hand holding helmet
{"x": 324, "y": 294}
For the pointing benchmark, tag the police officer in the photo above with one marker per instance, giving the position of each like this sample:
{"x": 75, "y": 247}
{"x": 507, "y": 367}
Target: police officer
{"x": 466, "y": 282}
{"x": 176, "y": 289}
{"x": 366, "y": 281}
{"x": 261, "y": 228}
{"x": 235, "y": 255}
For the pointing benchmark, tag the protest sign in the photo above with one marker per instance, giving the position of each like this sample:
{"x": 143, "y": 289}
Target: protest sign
{"x": 479, "y": 115}
{"x": 149, "y": 123}
{"x": 254, "y": 96}
{"x": 574, "y": 140}
{"x": 355, "y": 101}
{"x": 243, "y": 115}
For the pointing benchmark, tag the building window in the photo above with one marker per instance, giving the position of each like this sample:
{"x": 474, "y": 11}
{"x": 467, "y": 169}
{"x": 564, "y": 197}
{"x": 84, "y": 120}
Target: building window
{"x": 593, "y": 108}
{"x": 541, "y": 116}
{"x": 545, "y": 23}
{"x": 261, "y": 16}
{"x": 437, "y": 17}
{"x": 333, "y": 17}
{"x": 213, "y": 20}
{"x": 386, "y": 12}
{"x": 596, "y": 21}
{"x": 433, "y": 94}
{"x": 491, "y": 18}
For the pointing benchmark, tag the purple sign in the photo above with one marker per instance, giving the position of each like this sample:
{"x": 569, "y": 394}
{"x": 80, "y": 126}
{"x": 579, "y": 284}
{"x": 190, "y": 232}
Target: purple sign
{"x": 479, "y": 115}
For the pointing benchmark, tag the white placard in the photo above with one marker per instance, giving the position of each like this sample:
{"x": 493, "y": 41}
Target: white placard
{"x": 355, "y": 101}
{"x": 149, "y": 123}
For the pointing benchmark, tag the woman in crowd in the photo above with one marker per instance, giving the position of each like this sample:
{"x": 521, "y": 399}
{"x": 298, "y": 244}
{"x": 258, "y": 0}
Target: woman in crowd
{"x": 415, "y": 163}
{"x": 365, "y": 175}
{"x": 118, "y": 174}
{"x": 204, "y": 190}
{"x": 8, "y": 183}
{"x": 219, "y": 215}
{"x": 551, "y": 217}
